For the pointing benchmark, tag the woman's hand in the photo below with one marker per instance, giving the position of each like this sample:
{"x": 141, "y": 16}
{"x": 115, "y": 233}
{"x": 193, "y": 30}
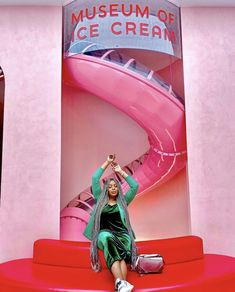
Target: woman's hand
{"x": 108, "y": 161}
{"x": 111, "y": 158}
{"x": 116, "y": 167}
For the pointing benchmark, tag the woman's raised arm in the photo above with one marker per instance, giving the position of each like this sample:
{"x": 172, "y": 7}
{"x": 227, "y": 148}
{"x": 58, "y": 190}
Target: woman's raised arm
{"x": 96, "y": 189}
{"x": 129, "y": 196}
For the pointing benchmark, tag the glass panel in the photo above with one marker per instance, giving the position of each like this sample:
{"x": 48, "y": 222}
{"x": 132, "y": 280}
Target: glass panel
{"x": 117, "y": 58}
{"x": 157, "y": 79}
{"x": 139, "y": 68}
{"x": 177, "y": 97}
{"x": 97, "y": 54}
{"x": 84, "y": 47}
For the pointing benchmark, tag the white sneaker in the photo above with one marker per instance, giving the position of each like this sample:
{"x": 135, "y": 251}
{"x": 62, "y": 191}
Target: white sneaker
{"x": 130, "y": 287}
{"x": 121, "y": 286}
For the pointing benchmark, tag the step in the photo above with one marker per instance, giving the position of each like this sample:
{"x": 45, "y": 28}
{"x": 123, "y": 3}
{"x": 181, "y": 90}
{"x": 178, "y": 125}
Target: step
{"x": 77, "y": 254}
{"x": 212, "y": 273}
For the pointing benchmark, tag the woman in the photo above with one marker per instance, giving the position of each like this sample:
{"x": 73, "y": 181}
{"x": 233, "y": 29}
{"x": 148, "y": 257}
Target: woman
{"x": 109, "y": 227}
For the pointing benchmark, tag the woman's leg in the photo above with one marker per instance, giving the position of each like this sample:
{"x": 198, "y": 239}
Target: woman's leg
{"x": 124, "y": 273}
{"x": 123, "y": 267}
{"x": 116, "y": 270}
{"x": 114, "y": 248}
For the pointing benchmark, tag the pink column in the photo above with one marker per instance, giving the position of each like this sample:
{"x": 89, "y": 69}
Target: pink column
{"x": 30, "y": 56}
{"x": 209, "y": 69}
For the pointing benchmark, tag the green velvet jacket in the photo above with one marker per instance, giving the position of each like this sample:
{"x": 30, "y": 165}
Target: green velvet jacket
{"x": 96, "y": 189}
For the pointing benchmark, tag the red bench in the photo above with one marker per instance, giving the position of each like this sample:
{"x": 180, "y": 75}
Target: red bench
{"x": 65, "y": 266}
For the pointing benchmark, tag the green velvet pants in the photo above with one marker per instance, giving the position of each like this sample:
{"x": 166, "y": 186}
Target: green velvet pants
{"x": 115, "y": 245}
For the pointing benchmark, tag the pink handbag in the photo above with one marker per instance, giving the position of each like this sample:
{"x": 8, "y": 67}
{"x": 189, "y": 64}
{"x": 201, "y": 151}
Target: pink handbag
{"x": 149, "y": 263}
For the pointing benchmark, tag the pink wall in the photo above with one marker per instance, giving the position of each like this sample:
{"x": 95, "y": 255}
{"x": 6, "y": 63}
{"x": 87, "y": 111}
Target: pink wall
{"x": 30, "y": 56}
{"x": 209, "y": 68}
{"x": 162, "y": 212}
{"x": 91, "y": 129}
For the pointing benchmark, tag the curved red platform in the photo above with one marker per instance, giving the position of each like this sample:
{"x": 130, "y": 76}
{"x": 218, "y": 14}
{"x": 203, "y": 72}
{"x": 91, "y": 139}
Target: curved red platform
{"x": 76, "y": 254}
{"x": 57, "y": 266}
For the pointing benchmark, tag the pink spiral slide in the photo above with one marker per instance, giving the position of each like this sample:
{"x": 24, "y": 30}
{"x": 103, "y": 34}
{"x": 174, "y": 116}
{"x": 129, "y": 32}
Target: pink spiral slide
{"x": 146, "y": 98}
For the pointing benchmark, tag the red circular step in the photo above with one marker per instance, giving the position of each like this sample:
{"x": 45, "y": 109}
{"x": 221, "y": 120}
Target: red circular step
{"x": 214, "y": 273}
{"x": 77, "y": 254}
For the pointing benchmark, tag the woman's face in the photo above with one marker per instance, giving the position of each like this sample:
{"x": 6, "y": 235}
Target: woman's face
{"x": 112, "y": 189}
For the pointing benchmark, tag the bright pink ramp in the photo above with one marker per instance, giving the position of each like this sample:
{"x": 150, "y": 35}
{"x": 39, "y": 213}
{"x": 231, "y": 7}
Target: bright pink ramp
{"x": 142, "y": 95}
